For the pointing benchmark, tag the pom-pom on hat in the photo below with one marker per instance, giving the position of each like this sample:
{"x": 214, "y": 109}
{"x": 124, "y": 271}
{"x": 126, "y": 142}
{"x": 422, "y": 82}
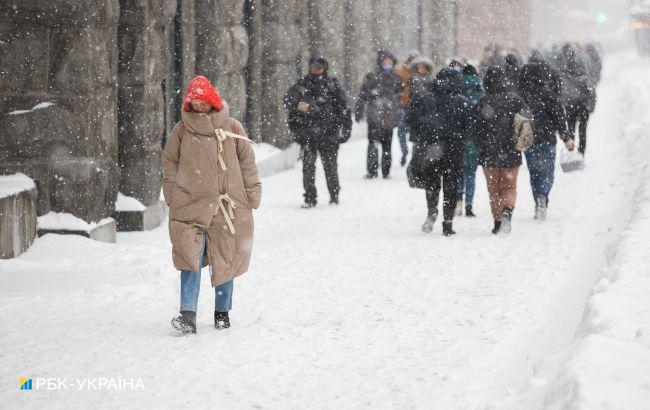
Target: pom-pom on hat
{"x": 200, "y": 88}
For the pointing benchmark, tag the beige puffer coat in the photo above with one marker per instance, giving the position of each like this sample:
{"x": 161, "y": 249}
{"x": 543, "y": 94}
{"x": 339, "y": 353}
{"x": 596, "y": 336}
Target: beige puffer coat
{"x": 211, "y": 193}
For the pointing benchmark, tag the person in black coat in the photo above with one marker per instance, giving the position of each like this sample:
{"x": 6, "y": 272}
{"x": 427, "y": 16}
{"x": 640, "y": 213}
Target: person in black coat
{"x": 440, "y": 120}
{"x": 380, "y": 98}
{"x": 551, "y": 77}
{"x": 578, "y": 94}
{"x": 493, "y": 135}
{"x": 549, "y": 122}
{"x": 319, "y": 117}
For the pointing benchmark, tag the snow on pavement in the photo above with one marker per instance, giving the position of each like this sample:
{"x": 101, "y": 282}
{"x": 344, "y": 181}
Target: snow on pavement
{"x": 343, "y": 307}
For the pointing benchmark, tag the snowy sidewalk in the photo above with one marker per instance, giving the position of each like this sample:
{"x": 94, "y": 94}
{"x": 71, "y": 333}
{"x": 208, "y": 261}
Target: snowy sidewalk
{"x": 343, "y": 307}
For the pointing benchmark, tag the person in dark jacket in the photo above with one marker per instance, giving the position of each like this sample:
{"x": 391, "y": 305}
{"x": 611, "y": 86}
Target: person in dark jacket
{"x": 493, "y": 136}
{"x": 473, "y": 91}
{"x": 549, "y": 121}
{"x": 441, "y": 119}
{"x": 380, "y": 98}
{"x": 511, "y": 70}
{"x": 319, "y": 117}
{"x": 552, "y": 78}
{"x": 578, "y": 95}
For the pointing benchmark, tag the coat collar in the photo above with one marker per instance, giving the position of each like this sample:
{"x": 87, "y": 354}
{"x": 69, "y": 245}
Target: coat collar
{"x": 205, "y": 124}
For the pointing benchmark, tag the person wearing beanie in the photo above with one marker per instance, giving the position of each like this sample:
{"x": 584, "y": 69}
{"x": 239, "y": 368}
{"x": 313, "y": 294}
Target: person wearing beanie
{"x": 380, "y": 100}
{"x": 211, "y": 185}
{"x": 320, "y": 120}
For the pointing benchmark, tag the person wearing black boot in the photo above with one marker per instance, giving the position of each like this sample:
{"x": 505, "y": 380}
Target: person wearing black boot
{"x": 493, "y": 135}
{"x": 439, "y": 119}
{"x": 319, "y": 117}
{"x": 380, "y": 98}
{"x": 211, "y": 185}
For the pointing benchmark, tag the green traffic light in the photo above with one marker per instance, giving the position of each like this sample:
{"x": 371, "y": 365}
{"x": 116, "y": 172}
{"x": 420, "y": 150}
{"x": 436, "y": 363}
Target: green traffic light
{"x": 601, "y": 17}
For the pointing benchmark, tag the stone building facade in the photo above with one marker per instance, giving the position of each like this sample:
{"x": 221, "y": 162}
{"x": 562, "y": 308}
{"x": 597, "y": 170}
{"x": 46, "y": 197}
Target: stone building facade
{"x": 507, "y": 23}
{"x": 90, "y": 88}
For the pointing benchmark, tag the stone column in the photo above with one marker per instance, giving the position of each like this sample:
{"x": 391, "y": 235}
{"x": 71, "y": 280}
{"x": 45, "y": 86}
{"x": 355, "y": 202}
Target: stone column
{"x": 279, "y": 45}
{"x": 59, "y": 70}
{"x": 141, "y": 102}
{"x": 222, "y": 50}
{"x": 438, "y": 30}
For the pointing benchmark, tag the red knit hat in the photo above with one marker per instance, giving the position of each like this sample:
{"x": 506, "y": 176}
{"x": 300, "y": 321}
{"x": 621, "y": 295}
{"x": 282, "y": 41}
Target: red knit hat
{"x": 200, "y": 88}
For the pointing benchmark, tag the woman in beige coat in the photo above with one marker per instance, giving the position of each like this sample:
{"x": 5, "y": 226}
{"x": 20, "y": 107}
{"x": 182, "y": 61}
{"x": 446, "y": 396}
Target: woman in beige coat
{"x": 211, "y": 185}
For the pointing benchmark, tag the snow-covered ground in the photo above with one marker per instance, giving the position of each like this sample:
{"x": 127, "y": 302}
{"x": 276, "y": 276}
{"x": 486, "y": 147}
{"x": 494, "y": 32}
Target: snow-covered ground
{"x": 353, "y": 307}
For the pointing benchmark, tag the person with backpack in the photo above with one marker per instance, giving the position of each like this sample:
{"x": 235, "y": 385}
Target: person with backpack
{"x": 440, "y": 120}
{"x": 493, "y": 136}
{"x": 473, "y": 91}
{"x": 211, "y": 186}
{"x": 578, "y": 95}
{"x": 380, "y": 99}
{"x": 549, "y": 121}
{"x": 319, "y": 117}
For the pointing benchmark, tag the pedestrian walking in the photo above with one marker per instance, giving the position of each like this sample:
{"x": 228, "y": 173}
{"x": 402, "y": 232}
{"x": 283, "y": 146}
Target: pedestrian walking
{"x": 493, "y": 136}
{"x": 441, "y": 119}
{"x": 404, "y": 71}
{"x": 380, "y": 99}
{"x": 550, "y": 122}
{"x": 319, "y": 117}
{"x": 472, "y": 90}
{"x": 211, "y": 186}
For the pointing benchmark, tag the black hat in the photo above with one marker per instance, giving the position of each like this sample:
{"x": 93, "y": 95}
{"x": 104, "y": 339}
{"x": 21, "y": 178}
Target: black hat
{"x": 319, "y": 61}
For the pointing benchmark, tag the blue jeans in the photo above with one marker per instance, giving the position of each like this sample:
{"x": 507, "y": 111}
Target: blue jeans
{"x": 191, "y": 284}
{"x": 540, "y": 159}
{"x": 468, "y": 184}
{"x": 401, "y": 132}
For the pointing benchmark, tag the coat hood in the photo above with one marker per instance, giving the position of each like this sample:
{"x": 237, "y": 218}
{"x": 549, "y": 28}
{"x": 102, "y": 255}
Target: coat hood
{"x": 205, "y": 124}
{"x": 381, "y": 54}
{"x": 448, "y": 81}
{"x": 200, "y": 88}
{"x": 319, "y": 61}
{"x": 495, "y": 81}
{"x": 421, "y": 60}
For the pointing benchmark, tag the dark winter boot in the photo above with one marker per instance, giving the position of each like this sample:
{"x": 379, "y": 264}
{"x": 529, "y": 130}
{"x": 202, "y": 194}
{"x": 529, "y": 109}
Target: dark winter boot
{"x": 221, "y": 320}
{"x": 334, "y": 199}
{"x": 506, "y": 220}
{"x": 309, "y": 203}
{"x": 370, "y": 176}
{"x": 427, "y": 227}
{"x": 468, "y": 211}
{"x": 497, "y": 227}
{"x": 186, "y": 322}
{"x": 446, "y": 229}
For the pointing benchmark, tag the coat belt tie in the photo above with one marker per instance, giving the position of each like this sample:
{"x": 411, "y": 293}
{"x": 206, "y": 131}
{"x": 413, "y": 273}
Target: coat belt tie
{"x": 228, "y": 211}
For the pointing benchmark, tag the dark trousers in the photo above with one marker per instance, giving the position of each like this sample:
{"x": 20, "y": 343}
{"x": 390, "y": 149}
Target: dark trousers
{"x": 447, "y": 174}
{"x": 578, "y": 115}
{"x": 329, "y": 156}
{"x": 385, "y": 138}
